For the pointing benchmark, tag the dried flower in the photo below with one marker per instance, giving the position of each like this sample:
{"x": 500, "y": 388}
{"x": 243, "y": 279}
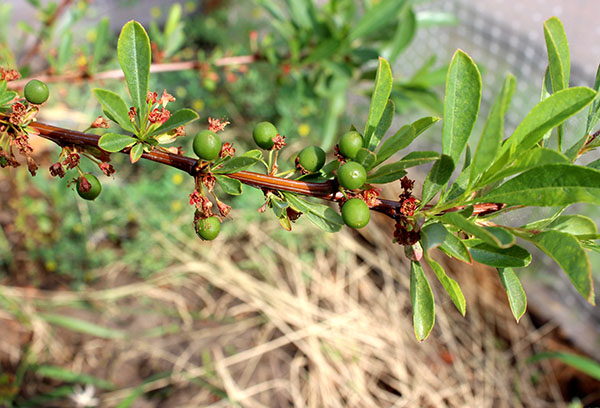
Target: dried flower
{"x": 100, "y": 122}
{"x": 279, "y": 142}
{"x": 57, "y": 169}
{"x": 227, "y": 150}
{"x": 107, "y": 169}
{"x": 159, "y": 116}
{"x": 217, "y": 125}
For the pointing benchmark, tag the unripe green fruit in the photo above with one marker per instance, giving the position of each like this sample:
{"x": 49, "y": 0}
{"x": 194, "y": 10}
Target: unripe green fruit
{"x": 207, "y": 145}
{"x": 208, "y": 228}
{"x": 355, "y": 213}
{"x": 36, "y": 91}
{"x": 350, "y": 143}
{"x": 312, "y": 158}
{"x": 352, "y": 175}
{"x": 263, "y": 135}
{"x": 94, "y": 190}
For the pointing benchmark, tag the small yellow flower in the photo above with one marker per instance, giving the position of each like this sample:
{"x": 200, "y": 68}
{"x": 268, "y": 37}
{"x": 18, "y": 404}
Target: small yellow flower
{"x": 177, "y": 179}
{"x": 303, "y": 130}
{"x": 176, "y": 206}
{"x": 198, "y": 105}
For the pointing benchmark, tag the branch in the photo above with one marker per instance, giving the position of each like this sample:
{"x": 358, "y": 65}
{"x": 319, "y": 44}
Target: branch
{"x": 326, "y": 190}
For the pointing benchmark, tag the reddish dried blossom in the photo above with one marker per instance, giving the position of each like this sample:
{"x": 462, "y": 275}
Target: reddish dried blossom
{"x": 224, "y": 209}
{"x": 7, "y": 159}
{"x": 159, "y": 116}
{"x": 57, "y": 169}
{"x": 132, "y": 114}
{"x": 107, "y": 169}
{"x": 84, "y": 185}
{"x": 17, "y": 116}
{"x": 202, "y": 203}
{"x": 299, "y": 167}
{"x": 208, "y": 180}
{"x": 9, "y": 74}
{"x": 227, "y": 150}
{"x": 166, "y": 98}
{"x": 72, "y": 160}
{"x": 278, "y": 142}
{"x": 405, "y": 232}
{"x": 217, "y": 125}
{"x": 178, "y": 131}
{"x": 32, "y": 165}
{"x": 151, "y": 97}
{"x": 407, "y": 184}
{"x": 20, "y": 139}
{"x": 370, "y": 196}
{"x": 100, "y": 122}
{"x": 340, "y": 157}
{"x": 408, "y": 206}
{"x": 178, "y": 150}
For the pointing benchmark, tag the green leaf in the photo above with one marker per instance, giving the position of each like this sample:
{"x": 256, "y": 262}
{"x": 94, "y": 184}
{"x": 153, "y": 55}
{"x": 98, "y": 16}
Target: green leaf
{"x": 405, "y": 32}
{"x": 299, "y": 13}
{"x": 455, "y": 247}
{"x": 379, "y": 100}
{"x": 376, "y": 17}
{"x": 546, "y": 115}
{"x": 133, "y": 50}
{"x": 7, "y": 97}
{"x": 398, "y": 141}
{"x": 394, "y": 171}
{"x": 100, "y": 42}
{"x": 236, "y": 164}
{"x": 470, "y": 227}
{"x": 115, "y": 107}
{"x": 594, "y": 114}
{"x": 558, "y": 53}
{"x": 366, "y": 158}
{"x": 489, "y": 143}
{"x": 594, "y": 165}
{"x": 136, "y": 152}
{"x": 549, "y": 185}
{"x": 573, "y": 224}
{"x": 179, "y": 118}
{"x": 64, "y": 375}
{"x": 568, "y": 253}
{"x": 421, "y": 125}
{"x": 437, "y": 178}
{"x": 82, "y": 326}
{"x": 461, "y": 104}
{"x": 450, "y": 285}
{"x": 433, "y": 235}
{"x": 323, "y": 50}
{"x": 581, "y": 363}
{"x": 230, "y": 186}
{"x": 516, "y": 295}
{"x": 384, "y": 124}
{"x": 113, "y": 142}
{"x": 421, "y": 298}
{"x": 321, "y": 215}
{"x": 486, "y": 254}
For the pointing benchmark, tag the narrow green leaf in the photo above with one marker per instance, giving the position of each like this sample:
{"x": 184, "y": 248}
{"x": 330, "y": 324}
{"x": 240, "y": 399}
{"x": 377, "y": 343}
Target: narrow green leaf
{"x": 133, "y": 51}
{"x": 100, "y": 42}
{"x": 421, "y": 298}
{"x": 573, "y": 224}
{"x": 549, "y": 185}
{"x": 396, "y": 142}
{"x": 568, "y": 253}
{"x": 62, "y": 374}
{"x": 366, "y": 158}
{"x": 236, "y": 164}
{"x": 581, "y": 363}
{"x": 594, "y": 113}
{"x": 136, "y": 152}
{"x": 515, "y": 256}
{"x": 82, "y": 326}
{"x": 455, "y": 247}
{"x": 7, "y": 97}
{"x": 546, "y": 115}
{"x": 179, "y": 118}
{"x": 437, "y": 178}
{"x": 516, "y": 295}
{"x": 470, "y": 227}
{"x": 489, "y": 143}
{"x": 300, "y": 13}
{"x": 433, "y": 235}
{"x": 421, "y": 125}
{"x": 321, "y": 215}
{"x": 115, "y": 107}
{"x": 405, "y": 32}
{"x": 558, "y": 53}
{"x": 461, "y": 104}
{"x": 394, "y": 171}
{"x": 376, "y": 17}
{"x": 450, "y": 285}
{"x": 379, "y": 100}
{"x": 324, "y": 50}
{"x": 384, "y": 124}
{"x": 230, "y": 186}
{"x": 113, "y": 142}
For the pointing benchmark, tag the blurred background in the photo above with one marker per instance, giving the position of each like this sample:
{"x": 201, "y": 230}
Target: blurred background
{"x": 117, "y": 303}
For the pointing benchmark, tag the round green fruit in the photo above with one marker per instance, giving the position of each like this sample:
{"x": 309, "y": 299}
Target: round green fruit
{"x": 208, "y": 228}
{"x": 94, "y": 191}
{"x": 263, "y": 135}
{"x": 207, "y": 145}
{"x": 352, "y": 175}
{"x": 312, "y": 158}
{"x": 36, "y": 91}
{"x": 350, "y": 143}
{"x": 355, "y": 213}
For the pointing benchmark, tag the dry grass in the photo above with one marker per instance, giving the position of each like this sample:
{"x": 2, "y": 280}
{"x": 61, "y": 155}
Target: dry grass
{"x": 256, "y": 322}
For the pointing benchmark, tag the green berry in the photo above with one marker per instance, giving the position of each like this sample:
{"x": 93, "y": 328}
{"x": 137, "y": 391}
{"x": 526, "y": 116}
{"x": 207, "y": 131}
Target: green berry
{"x": 352, "y": 175}
{"x": 36, "y": 91}
{"x": 94, "y": 191}
{"x": 355, "y": 213}
{"x": 208, "y": 228}
{"x": 207, "y": 145}
{"x": 263, "y": 135}
{"x": 350, "y": 143}
{"x": 312, "y": 158}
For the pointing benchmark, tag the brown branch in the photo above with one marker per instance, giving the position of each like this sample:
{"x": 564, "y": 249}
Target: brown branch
{"x": 328, "y": 190}
{"x": 154, "y": 68}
